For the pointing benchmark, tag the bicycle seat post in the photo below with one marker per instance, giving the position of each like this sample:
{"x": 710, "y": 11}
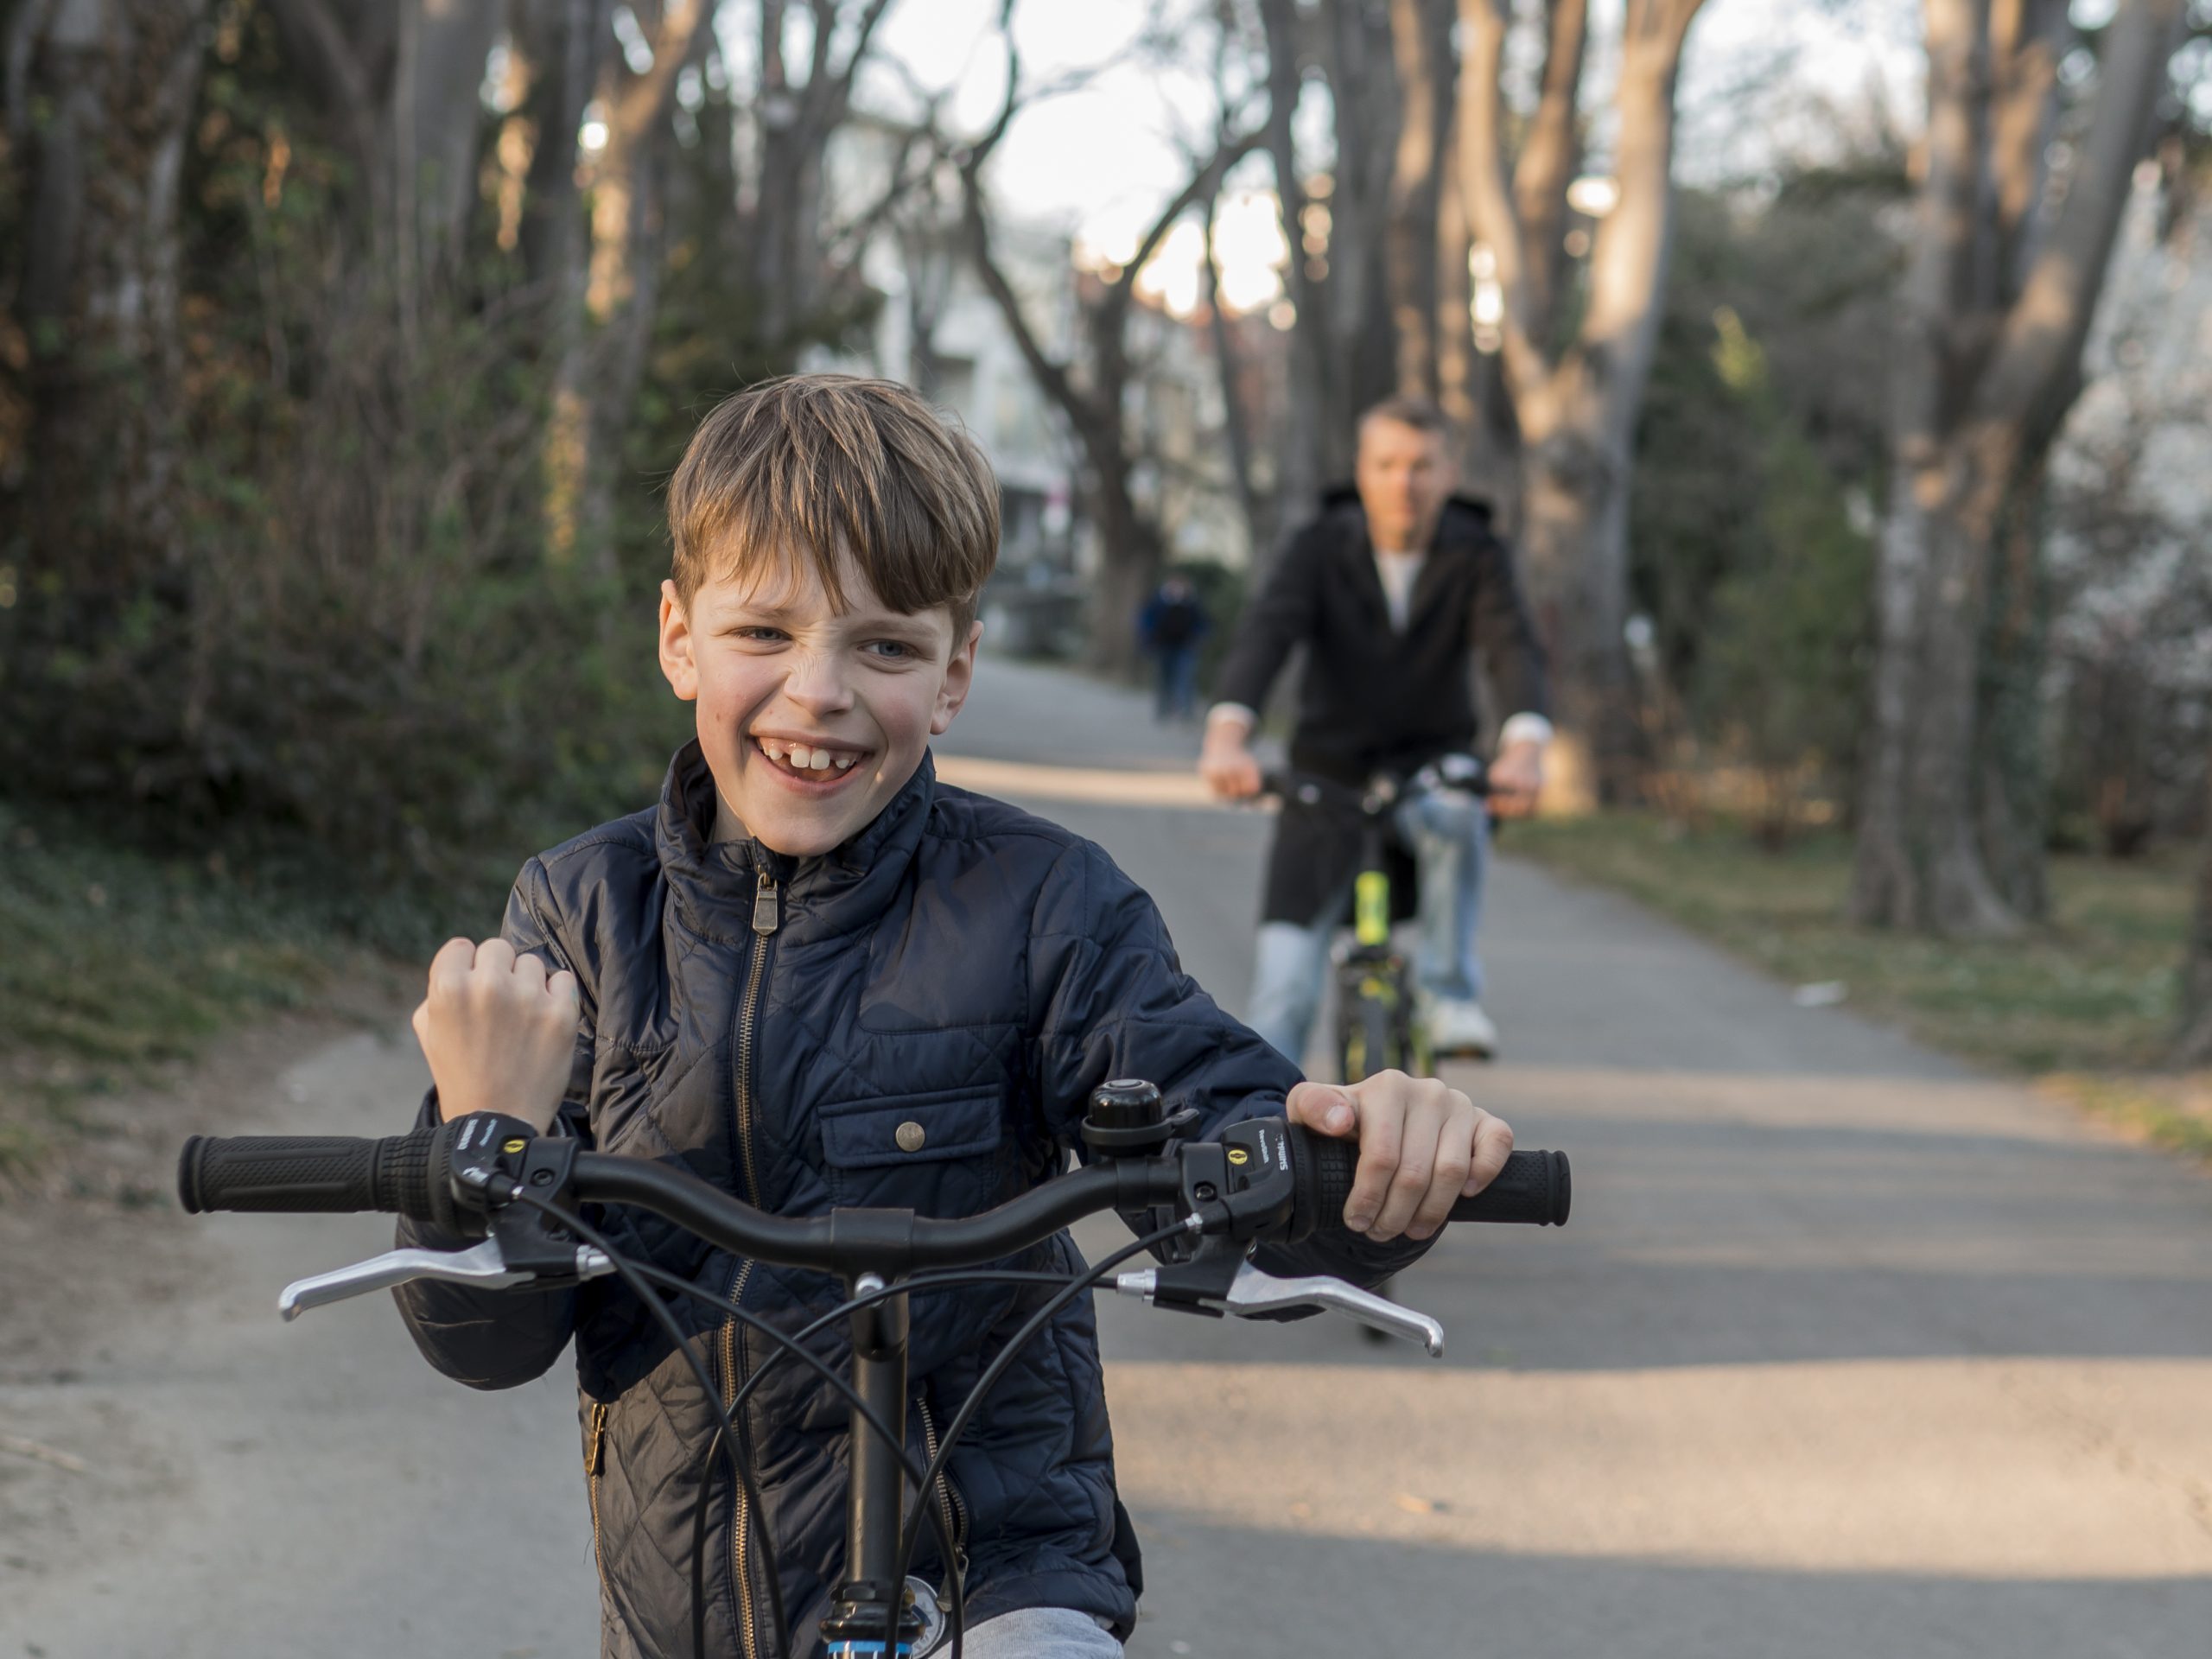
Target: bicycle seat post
{"x": 871, "y": 1614}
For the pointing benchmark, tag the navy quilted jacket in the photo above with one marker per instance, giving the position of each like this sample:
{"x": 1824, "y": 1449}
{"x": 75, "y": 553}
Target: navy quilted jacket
{"x": 771, "y": 1025}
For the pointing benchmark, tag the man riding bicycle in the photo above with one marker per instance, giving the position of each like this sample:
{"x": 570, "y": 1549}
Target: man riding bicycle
{"x": 1395, "y": 589}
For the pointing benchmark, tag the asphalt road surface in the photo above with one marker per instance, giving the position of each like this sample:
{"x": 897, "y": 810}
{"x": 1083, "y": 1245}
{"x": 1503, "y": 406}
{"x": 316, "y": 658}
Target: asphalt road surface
{"x": 1847, "y": 1351}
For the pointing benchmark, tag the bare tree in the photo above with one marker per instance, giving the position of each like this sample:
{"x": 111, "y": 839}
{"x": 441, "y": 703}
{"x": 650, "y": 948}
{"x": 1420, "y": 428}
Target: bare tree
{"x": 119, "y": 79}
{"x": 1997, "y": 301}
{"x": 1091, "y": 393}
{"x": 1576, "y": 397}
{"x": 796, "y": 121}
{"x": 399, "y": 84}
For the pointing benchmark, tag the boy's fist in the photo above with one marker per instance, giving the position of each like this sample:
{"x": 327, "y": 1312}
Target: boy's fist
{"x": 499, "y": 1034}
{"x": 1423, "y": 1148}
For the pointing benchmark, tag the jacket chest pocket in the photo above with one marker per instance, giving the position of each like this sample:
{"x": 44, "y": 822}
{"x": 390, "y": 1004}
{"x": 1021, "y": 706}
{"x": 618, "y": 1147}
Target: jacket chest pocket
{"x": 940, "y": 1154}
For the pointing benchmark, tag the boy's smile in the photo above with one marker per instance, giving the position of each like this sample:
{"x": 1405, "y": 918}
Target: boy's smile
{"x": 812, "y": 718}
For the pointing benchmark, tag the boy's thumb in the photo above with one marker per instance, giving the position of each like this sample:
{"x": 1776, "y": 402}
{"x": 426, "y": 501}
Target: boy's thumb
{"x": 1323, "y": 1106}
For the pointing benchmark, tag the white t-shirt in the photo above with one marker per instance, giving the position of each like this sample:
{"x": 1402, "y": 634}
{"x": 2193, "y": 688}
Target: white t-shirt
{"x": 1399, "y": 571}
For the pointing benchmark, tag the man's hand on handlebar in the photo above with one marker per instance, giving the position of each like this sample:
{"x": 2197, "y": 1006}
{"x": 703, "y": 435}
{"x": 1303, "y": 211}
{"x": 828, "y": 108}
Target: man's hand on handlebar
{"x": 1422, "y": 1147}
{"x": 498, "y": 1032}
{"x": 1516, "y": 778}
{"x": 1225, "y": 762}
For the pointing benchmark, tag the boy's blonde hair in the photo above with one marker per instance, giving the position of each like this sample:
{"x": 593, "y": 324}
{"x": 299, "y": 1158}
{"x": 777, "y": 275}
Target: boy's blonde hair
{"x": 810, "y": 466}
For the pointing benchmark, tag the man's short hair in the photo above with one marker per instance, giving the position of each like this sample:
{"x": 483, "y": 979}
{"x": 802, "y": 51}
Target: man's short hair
{"x": 810, "y": 467}
{"x": 1419, "y": 413}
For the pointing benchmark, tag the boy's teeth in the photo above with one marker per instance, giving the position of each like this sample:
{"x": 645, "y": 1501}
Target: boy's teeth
{"x": 799, "y": 757}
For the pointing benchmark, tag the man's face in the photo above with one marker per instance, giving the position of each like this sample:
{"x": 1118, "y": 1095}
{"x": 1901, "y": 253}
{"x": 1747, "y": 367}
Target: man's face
{"x": 1403, "y": 475}
{"x": 812, "y": 718}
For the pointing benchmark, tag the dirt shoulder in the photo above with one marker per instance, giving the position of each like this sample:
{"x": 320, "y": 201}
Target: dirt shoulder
{"x": 97, "y": 1252}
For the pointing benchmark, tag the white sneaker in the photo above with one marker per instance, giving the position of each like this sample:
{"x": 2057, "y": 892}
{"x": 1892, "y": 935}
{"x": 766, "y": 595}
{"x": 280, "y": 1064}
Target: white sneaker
{"x": 1461, "y": 1029}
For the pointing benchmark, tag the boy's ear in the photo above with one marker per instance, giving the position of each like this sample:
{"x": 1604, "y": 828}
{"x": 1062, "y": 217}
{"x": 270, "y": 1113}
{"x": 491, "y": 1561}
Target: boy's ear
{"x": 959, "y": 675}
{"x": 676, "y": 658}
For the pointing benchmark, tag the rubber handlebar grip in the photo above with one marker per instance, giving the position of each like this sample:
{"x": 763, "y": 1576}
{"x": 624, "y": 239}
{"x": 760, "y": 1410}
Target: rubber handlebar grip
{"x": 318, "y": 1174}
{"x": 1534, "y": 1187}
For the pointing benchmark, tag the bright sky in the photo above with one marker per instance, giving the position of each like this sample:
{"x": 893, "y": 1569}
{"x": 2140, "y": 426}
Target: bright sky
{"x": 1103, "y": 161}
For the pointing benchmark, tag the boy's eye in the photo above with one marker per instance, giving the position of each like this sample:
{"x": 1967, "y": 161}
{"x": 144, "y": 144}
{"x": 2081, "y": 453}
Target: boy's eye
{"x": 891, "y": 650}
{"x": 759, "y": 632}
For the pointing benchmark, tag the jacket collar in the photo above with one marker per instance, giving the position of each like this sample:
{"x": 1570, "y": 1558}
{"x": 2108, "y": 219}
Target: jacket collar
{"x": 716, "y": 885}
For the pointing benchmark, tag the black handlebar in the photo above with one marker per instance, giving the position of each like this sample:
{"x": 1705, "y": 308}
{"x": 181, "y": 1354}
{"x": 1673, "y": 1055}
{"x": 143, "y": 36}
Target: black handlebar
{"x": 437, "y": 1175}
{"x": 1463, "y": 773}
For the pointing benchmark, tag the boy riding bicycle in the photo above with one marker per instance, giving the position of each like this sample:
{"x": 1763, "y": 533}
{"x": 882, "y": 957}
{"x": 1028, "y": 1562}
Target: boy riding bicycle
{"x": 1394, "y": 590}
{"x": 817, "y": 977}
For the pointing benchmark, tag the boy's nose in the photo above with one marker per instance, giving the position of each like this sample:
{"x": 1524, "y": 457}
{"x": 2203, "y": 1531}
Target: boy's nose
{"x": 817, "y": 683}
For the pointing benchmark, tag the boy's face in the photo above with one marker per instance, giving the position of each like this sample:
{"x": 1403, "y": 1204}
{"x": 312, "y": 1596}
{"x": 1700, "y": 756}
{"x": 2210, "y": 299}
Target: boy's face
{"x": 812, "y": 718}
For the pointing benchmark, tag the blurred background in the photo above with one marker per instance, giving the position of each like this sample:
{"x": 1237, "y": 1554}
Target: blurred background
{"x": 1840, "y": 371}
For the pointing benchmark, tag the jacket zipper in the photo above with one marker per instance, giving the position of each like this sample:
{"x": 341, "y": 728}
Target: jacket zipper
{"x": 595, "y": 1459}
{"x": 764, "y": 909}
{"x": 949, "y": 1504}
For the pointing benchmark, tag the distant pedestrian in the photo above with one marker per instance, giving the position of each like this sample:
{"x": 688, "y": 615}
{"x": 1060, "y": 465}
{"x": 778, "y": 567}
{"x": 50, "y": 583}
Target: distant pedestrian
{"x": 1171, "y": 624}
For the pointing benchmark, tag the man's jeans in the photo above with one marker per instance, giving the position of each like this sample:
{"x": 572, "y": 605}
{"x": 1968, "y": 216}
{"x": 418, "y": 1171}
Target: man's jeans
{"x": 1449, "y": 833}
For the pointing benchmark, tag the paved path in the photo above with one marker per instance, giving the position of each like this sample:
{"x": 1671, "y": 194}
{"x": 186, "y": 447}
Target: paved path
{"x": 1847, "y": 1352}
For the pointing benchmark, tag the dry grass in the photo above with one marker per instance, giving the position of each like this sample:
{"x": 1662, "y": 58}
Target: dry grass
{"x": 2093, "y": 993}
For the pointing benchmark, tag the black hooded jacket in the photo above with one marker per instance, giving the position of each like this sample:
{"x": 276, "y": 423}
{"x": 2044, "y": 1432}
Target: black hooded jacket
{"x": 959, "y": 966}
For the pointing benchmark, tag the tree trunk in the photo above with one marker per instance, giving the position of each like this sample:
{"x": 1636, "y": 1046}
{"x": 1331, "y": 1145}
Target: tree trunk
{"x": 1307, "y": 454}
{"x": 2012, "y": 789}
{"x": 100, "y": 292}
{"x": 596, "y": 383}
{"x": 1365, "y": 92}
{"x": 2193, "y": 1045}
{"x": 568, "y": 41}
{"x": 1092, "y": 400}
{"x": 1421, "y": 42}
{"x": 1996, "y": 304}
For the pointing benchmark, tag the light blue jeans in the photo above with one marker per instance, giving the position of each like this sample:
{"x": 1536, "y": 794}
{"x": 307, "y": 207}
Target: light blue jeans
{"x": 1449, "y": 833}
{"x": 1038, "y": 1633}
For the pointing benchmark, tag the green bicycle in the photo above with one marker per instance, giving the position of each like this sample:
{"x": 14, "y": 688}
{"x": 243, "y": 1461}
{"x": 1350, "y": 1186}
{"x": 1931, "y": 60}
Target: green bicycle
{"x": 1379, "y": 1027}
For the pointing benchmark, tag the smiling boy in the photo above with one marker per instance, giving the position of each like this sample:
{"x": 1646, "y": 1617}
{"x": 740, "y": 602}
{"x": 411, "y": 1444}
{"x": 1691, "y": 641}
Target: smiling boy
{"x": 816, "y": 977}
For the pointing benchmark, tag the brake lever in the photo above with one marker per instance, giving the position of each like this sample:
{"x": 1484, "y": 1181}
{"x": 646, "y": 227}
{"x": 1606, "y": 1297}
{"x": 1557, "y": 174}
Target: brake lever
{"x": 1253, "y": 1293}
{"x": 481, "y": 1266}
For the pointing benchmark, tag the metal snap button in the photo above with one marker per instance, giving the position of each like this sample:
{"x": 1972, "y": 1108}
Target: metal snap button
{"x": 910, "y": 1136}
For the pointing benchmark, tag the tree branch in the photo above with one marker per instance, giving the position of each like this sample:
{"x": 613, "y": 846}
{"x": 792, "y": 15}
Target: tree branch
{"x": 2024, "y": 52}
{"x": 2040, "y": 346}
{"x": 1551, "y": 151}
{"x": 1486, "y": 188}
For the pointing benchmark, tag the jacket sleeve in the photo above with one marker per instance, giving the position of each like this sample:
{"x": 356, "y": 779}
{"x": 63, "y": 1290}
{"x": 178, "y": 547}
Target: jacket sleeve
{"x": 1273, "y": 625}
{"x": 501, "y": 1339}
{"x": 1112, "y": 1002}
{"x": 1504, "y": 636}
